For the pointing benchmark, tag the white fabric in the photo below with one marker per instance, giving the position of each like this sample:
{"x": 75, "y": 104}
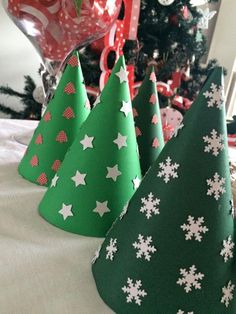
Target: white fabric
{"x": 43, "y": 270}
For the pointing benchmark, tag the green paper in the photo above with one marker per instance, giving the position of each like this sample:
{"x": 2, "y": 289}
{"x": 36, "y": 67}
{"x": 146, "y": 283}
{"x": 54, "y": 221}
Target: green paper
{"x": 169, "y": 253}
{"x": 104, "y": 162}
{"x": 58, "y": 127}
{"x": 148, "y": 121}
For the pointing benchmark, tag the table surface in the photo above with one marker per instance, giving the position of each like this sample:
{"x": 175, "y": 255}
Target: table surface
{"x": 43, "y": 270}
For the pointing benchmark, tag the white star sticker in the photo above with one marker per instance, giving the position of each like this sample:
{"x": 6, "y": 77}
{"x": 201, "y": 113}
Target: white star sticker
{"x": 120, "y": 141}
{"x": 87, "y": 142}
{"x": 123, "y": 75}
{"x": 101, "y": 208}
{"x": 113, "y": 172}
{"x": 126, "y": 108}
{"x": 65, "y": 211}
{"x": 136, "y": 182}
{"x": 97, "y": 101}
{"x": 79, "y": 178}
{"x": 54, "y": 181}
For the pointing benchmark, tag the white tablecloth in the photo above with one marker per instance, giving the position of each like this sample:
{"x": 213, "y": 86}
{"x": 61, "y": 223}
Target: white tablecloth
{"x": 43, "y": 270}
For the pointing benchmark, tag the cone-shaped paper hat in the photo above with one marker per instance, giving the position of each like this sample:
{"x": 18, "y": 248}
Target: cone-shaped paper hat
{"x": 58, "y": 127}
{"x": 101, "y": 170}
{"x": 148, "y": 121}
{"x": 173, "y": 251}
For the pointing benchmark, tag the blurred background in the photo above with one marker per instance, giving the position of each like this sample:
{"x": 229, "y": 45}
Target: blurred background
{"x": 19, "y": 58}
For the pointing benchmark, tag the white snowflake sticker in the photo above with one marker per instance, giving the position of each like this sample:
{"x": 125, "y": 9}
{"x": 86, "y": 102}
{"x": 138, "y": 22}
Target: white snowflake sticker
{"x": 134, "y": 291}
{"x": 144, "y": 247}
{"x": 168, "y": 170}
{"x": 96, "y": 254}
{"x": 111, "y": 249}
{"x": 182, "y": 312}
{"x": 227, "y": 292}
{"x": 216, "y": 186}
{"x": 227, "y": 251}
{"x": 124, "y": 211}
{"x": 190, "y": 279}
{"x": 194, "y": 228}
{"x": 215, "y": 95}
{"x": 232, "y": 209}
{"x": 215, "y": 143}
{"x": 150, "y": 205}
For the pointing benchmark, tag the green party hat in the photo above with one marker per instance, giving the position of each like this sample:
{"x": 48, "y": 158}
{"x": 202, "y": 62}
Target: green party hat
{"x": 101, "y": 170}
{"x": 58, "y": 127}
{"x": 172, "y": 250}
{"x": 147, "y": 119}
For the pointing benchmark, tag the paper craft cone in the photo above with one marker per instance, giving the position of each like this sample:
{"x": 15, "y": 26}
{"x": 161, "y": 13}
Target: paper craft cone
{"x": 58, "y": 127}
{"x": 173, "y": 250}
{"x": 148, "y": 121}
{"x": 101, "y": 171}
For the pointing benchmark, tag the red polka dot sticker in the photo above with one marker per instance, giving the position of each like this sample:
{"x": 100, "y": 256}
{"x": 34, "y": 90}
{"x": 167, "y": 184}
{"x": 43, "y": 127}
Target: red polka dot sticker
{"x": 56, "y": 165}
{"x": 68, "y": 113}
{"x": 42, "y": 179}
{"x": 73, "y": 61}
{"x": 135, "y": 112}
{"x": 153, "y": 99}
{"x": 153, "y": 77}
{"x": 34, "y": 161}
{"x": 69, "y": 89}
{"x": 155, "y": 119}
{"x": 47, "y": 117}
{"x": 39, "y": 139}
{"x": 137, "y": 131}
{"x": 155, "y": 143}
{"x": 61, "y": 137}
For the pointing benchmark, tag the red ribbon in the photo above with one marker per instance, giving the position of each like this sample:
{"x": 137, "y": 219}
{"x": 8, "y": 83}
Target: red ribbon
{"x": 114, "y": 41}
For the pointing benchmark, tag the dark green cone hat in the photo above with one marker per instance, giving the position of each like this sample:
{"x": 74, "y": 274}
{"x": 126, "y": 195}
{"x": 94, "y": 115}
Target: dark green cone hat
{"x": 148, "y": 121}
{"x": 58, "y": 127}
{"x": 101, "y": 170}
{"x": 173, "y": 250}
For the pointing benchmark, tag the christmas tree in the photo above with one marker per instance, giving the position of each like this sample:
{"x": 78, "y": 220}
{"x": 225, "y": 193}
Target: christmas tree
{"x": 58, "y": 127}
{"x": 101, "y": 171}
{"x": 148, "y": 124}
{"x": 32, "y": 105}
{"x": 173, "y": 250}
{"x": 171, "y": 38}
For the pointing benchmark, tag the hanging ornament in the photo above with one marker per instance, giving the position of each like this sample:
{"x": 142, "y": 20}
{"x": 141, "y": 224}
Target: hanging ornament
{"x": 185, "y": 12}
{"x": 38, "y": 94}
{"x": 195, "y": 3}
{"x": 186, "y": 71}
{"x": 174, "y": 20}
{"x": 166, "y": 2}
{"x": 198, "y": 36}
{"x": 207, "y": 15}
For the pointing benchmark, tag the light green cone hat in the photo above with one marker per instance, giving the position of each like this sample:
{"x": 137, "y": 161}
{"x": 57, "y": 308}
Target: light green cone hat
{"x": 101, "y": 170}
{"x": 148, "y": 121}
{"x": 173, "y": 251}
{"x": 58, "y": 127}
